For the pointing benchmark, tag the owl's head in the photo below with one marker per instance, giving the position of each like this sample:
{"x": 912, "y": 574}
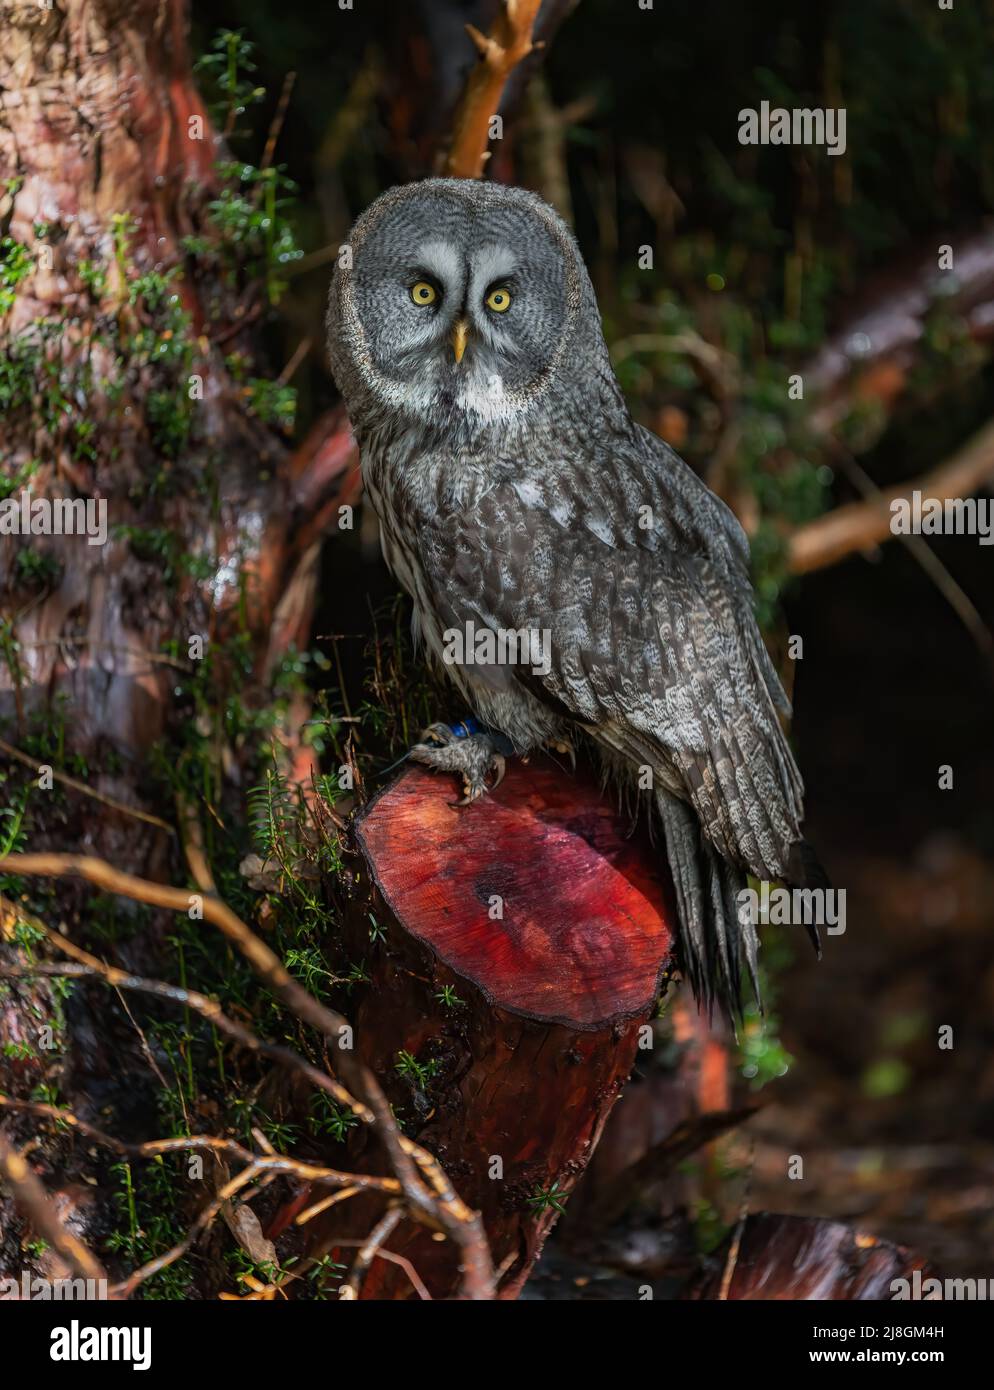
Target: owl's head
{"x": 458, "y": 302}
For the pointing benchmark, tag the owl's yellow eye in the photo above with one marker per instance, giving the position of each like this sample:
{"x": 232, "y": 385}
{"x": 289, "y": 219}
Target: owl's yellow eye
{"x": 423, "y": 293}
{"x": 499, "y": 300}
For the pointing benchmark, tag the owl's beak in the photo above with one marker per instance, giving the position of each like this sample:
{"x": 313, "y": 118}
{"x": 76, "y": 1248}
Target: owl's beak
{"x": 459, "y": 335}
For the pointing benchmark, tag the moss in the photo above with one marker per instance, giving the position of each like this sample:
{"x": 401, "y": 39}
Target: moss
{"x": 16, "y": 264}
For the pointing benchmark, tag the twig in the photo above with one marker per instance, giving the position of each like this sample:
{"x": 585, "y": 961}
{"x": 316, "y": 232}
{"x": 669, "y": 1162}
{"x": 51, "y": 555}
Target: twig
{"x": 732, "y": 1258}
{"x": 367, "y": 1254}
{"x": 209, "y": 1009}
{"x": 508, "y": 43}
{"x": 958, "y": 600}
{"x": 264, "y": 961}
{"x": 278, "y": 119}
{"x": 193, "y": 846}
{"x": 270, "y": 1163}
{"x": 661, "y": 1159}
{"x": 153, "y": 658}
{"x": 718, "y": 364}
{"x": 332, "y": 1200}
{"x": 204, "y": 1219}
{"x": 247, "y": 318}
{"x": 67, "y": 781}
{"x": 301, "y": 351}
{"x": 400, "y": 1260}
{"x": 427, "y": 1191}
{"x": 34, "y": 1202}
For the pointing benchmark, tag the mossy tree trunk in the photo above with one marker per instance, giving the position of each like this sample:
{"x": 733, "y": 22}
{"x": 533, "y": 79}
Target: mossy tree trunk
{"x": 126, "y": 378}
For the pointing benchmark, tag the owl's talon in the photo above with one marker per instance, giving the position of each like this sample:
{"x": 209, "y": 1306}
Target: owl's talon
{"x": 473, "y": 757}
{"x": 470, "y": 793}
{"x": 474, "y": 787}
{"x": 438, "y": 735}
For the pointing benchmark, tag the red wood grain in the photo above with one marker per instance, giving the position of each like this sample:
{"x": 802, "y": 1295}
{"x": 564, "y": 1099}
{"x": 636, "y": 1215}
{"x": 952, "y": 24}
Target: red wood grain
{"x": 586, "y": 924}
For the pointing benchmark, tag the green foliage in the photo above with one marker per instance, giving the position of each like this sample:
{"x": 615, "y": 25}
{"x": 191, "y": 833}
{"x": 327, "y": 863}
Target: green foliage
{"x": 420, "y": 1073}
{"x": 43, "y": 375}
{"x": 762, "y": 1057}
{"x": 273, "y": 402}
{"x": 886, "y": 1077}
{"x": 12, "y": 815}
{"x": 94, "y": 277}
{"x": 253, "y": 238}
{"x": 708, "y": 1226}
{"x": 36, "y": 569}
{"x": 167, "y": 550}
{"x": 226, "y": 67}
{"x": 149, "y": 1201}
{"x": 549, "y": 1199}
{"x": 16, "y": 264}
{"x": 325, "y": 1273}
{"x": 328, "y": 1117}
{"x": 282, "y": 1136}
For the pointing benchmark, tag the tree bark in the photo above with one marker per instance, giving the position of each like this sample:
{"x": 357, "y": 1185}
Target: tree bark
{"x": 100, "y": 121}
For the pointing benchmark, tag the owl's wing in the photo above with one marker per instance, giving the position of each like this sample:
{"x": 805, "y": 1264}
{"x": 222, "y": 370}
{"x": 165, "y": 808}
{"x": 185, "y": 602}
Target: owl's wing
{"x": 653, "y": 641}
{"x": 640, "y": 575}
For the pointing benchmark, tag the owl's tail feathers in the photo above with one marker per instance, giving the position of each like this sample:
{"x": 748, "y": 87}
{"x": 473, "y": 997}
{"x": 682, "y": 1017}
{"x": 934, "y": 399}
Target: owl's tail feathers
{"x": 714, "y": 933}
{"x": 805, "y": 870}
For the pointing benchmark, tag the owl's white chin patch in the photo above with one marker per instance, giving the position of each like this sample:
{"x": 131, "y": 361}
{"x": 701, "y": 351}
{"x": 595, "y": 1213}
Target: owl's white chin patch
{"x": 485, "y": 396}
{"x": 479, "y": 395}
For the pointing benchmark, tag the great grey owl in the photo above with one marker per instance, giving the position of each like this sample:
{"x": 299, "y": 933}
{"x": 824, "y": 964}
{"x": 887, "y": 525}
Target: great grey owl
{"x": 516, "y": 494}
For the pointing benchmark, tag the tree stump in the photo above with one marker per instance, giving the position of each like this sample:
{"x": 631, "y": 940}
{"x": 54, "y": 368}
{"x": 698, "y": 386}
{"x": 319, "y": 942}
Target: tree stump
{"x": 514, "y": 949}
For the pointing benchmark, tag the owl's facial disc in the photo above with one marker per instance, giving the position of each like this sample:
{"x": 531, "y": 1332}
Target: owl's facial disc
{"x": 462, "y": 309}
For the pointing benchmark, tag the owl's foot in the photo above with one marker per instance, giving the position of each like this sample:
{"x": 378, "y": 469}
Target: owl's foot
{"x": 473, "y": 756}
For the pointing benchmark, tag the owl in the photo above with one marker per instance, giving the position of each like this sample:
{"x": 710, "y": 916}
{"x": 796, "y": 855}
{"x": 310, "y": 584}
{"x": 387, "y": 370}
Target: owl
{"x": 572, "y": 575}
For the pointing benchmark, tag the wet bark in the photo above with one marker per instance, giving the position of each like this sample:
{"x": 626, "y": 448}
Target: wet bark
{"x": 776, "y": 1257}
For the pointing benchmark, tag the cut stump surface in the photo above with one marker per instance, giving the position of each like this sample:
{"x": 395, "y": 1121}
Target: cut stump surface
{"x": 584, "y": 931}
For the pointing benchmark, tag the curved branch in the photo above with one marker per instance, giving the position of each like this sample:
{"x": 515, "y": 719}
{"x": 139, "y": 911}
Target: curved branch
{"x": 37, "y": 1206}
{"x": 862, "y": 525}
{"x": 508, "y": 43}
{"x": 427, "y": 1190}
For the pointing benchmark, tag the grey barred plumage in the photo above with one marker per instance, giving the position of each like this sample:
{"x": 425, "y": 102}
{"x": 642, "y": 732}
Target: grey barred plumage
{"x": 515, "y": 491}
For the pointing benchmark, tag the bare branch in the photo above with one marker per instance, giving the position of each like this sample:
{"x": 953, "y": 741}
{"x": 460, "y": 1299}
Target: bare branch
{"x": 368, "y": 1252}
{"x": 37, "y": 1206}
{"x": 428, "y": 1192}
{"x": 508, "y": 43}
{"x": 274, "y": 1163}
{"x": 81, "y": 787}
{"x": 862, "y": 525}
